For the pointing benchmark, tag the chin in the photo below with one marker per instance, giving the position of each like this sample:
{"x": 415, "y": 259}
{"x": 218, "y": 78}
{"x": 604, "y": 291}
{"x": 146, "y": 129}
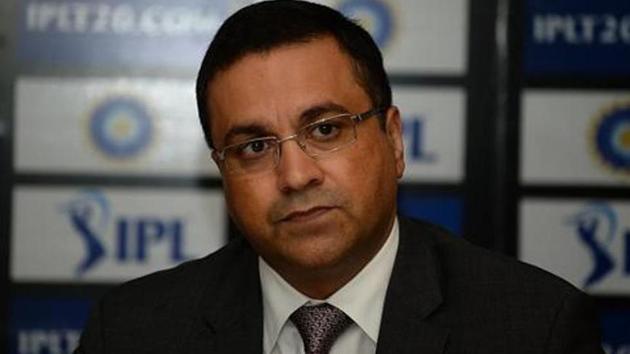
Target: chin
{"x": 318, "y": 254}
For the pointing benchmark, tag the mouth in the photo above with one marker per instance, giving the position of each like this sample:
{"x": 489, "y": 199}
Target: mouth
{"x": 307, "y": 214}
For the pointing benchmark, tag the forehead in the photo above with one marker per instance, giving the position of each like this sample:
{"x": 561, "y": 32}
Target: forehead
{"x": 274, "y": 88}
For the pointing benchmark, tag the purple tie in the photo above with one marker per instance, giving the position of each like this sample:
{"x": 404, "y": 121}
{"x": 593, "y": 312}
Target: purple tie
{"x": 320, "y": 326}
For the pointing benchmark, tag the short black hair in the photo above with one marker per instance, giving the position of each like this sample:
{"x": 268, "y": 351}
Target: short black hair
{"x": 263, "y": 26}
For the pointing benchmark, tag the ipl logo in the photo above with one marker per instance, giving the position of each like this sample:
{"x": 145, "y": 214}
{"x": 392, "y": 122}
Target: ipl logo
{"x": 414, "y": 130}
{"x": 597, "y": 226}
{"x": 89, "y": 215}
{"x": 122, "y": 239}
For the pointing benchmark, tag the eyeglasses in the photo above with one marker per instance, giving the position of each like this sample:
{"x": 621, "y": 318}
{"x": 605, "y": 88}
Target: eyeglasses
{"x": 316, "y": 139}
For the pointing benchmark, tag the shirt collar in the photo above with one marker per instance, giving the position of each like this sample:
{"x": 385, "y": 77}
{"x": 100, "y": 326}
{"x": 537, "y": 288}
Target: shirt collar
{"x": 362, "y": 298}
{"x": 280, "y": 300}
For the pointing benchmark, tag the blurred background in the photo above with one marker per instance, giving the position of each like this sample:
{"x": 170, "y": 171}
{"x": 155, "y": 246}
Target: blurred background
{"x": 516, "y": 121}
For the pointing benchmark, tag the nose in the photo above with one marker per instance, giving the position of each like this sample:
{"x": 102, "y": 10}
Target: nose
{"x": 296, "y": 170}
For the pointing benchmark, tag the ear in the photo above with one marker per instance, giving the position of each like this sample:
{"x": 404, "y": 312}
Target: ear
{"x": 394, "y": 135}
{"x": 217, "y": 161}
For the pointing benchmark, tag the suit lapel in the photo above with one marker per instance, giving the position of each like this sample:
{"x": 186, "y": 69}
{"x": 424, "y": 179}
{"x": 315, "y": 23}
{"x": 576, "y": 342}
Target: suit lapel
{"x": 414, "y": 292}
{"x": 229, "y": 316}
{"x": 230, "y": 309}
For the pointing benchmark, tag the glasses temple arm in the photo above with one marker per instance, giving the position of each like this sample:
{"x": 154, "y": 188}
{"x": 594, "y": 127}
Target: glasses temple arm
{"x": 363, "y": 116}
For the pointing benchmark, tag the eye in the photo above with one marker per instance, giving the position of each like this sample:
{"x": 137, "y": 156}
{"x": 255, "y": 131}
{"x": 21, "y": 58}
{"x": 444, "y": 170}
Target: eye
{"x": 325, "y": 130}
{"x": 253, "y": 149}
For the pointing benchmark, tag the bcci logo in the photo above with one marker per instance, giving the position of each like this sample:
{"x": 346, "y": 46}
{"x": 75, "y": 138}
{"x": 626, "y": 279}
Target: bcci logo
{"x": 611, "y": 138}
{"x": 375, "y": 15}
{"x": 123, "y": 239}
{"x": 121, "y": 127}
{"x": 597, "y": 228}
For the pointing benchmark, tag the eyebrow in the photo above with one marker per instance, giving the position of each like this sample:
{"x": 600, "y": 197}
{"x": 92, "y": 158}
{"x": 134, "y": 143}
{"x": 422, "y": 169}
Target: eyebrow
{"x": 307, "y": 116}
{"x": 316, "y": 111}
{"x": 253, "y": 130}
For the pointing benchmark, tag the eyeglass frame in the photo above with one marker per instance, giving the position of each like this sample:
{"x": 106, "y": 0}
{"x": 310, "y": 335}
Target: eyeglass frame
{"x": 355, "y": 118}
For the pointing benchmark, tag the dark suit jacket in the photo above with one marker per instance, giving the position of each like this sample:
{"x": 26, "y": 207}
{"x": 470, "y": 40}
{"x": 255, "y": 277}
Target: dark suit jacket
{"x": 444, "y": 296}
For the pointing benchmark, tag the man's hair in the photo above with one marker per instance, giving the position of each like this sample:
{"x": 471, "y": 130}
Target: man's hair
{"x": 264, "y": 26}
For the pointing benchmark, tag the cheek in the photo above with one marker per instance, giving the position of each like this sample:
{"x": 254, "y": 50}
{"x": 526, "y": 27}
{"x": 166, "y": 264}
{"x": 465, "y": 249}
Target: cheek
{"x": 248, "y": 202}
{"x": 377, "y": 174}
{"x": 364, "y": 175}
{"x": 373, "y": 158}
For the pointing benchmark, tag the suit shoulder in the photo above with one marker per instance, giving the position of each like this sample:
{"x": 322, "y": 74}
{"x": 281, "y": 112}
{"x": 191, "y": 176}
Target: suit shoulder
{"x": 464, "y": 261}
{"x": 488, "y": 295}
{"x": 184, "y": 280}
{"x": 153, "y": 313}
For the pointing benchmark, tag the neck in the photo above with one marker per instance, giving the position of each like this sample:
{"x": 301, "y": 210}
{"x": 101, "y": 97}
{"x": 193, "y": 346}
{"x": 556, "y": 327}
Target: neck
{"x": 320, "y": 282}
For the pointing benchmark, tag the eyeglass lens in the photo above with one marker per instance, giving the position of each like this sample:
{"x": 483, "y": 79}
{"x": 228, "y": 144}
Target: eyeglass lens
{"x": 315, "y": 139}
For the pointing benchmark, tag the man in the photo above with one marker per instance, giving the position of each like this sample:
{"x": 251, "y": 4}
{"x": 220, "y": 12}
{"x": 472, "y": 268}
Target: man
{"x": 296, "y": 106}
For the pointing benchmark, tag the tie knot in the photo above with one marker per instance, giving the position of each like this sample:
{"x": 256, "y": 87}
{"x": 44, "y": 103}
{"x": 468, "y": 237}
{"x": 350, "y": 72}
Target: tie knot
{"x": 319, "y": 326}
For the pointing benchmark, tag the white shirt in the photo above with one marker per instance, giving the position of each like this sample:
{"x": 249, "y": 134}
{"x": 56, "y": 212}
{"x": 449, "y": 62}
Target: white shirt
{"x": 362, "y": 299}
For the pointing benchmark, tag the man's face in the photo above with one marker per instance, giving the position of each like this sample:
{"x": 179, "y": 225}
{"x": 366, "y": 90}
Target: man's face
{"x": 307, "y": 215}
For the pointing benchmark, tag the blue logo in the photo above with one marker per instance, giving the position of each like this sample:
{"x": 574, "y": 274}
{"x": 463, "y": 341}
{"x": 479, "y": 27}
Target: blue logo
{"x": 121, "y": 127}
{"x": 374, "y": 15}
{"x": 596, "y": 227}
{"x": 117, "y": 33}
{"x": 615, "y": 325}
{"x": 577, "y": 38}
{"x": 46, "y": 325}
{"x": 611, "y": 138}
{"x": 91, "y": 217}
{"x": 414, "y": 131}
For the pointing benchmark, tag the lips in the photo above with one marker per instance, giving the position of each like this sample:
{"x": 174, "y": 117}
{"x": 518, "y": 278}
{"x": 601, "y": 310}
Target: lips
{"x": 306, "y": 214}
